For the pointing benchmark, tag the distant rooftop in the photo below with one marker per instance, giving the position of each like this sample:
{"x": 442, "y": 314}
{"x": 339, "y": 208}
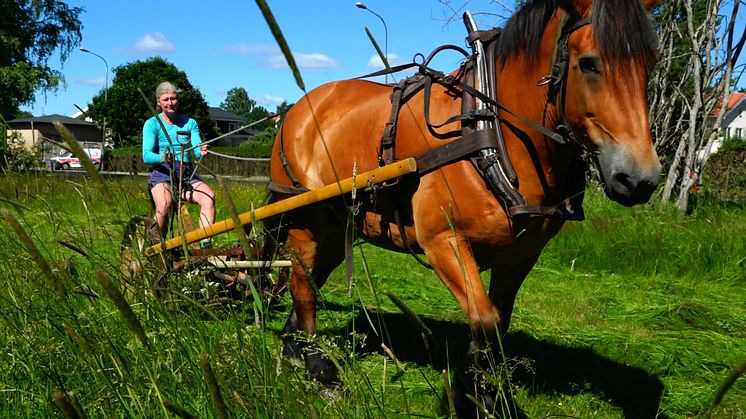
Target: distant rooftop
{"x": 219, "y": 114}
{"x": 734, "y": 99}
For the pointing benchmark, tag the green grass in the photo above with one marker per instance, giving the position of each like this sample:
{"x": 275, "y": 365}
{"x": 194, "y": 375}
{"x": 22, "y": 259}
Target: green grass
{"x": 636, "y": 312}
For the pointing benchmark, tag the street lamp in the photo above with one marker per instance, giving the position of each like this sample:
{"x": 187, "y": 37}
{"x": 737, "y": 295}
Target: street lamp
{"x": 106, "y": 97}
{"x": 361, "y": 5}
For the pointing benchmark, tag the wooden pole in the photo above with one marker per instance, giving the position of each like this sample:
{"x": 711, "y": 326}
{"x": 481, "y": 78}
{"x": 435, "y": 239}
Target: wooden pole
{"x": 342, "y": 187}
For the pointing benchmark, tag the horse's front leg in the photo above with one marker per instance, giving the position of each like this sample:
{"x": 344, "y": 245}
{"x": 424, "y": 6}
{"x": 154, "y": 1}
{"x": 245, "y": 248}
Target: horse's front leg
{"x": 505, "y": 280}
{"x": 453, "y": 260}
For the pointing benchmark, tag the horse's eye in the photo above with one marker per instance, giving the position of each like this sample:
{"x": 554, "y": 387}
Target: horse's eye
{"x": 590, "y": 65}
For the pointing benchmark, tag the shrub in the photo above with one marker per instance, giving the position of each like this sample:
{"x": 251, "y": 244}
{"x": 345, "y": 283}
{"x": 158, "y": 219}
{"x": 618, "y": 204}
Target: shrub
{"x": 724, "y": 177}
{"x": 16, "y": 157}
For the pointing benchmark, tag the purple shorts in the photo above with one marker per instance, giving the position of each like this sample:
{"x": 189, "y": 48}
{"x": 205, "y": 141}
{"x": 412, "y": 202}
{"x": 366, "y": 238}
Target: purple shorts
{"x": 162, "y": 173}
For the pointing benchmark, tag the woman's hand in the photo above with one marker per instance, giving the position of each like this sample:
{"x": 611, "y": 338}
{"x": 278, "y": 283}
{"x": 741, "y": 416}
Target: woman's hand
{"x": 203, "y": 149}
{"x": 167, "y": 157}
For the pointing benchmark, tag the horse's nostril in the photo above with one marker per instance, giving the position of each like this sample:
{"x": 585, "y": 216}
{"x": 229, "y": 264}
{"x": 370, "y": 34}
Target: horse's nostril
{"x": 622, "y": 178}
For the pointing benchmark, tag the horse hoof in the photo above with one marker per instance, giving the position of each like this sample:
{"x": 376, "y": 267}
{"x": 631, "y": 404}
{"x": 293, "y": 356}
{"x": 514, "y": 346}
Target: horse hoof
{"x": 330, "y": 394}
{"x": 321, "y": 369}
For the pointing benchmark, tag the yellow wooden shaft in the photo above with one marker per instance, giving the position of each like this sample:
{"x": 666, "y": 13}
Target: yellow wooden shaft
{"x": 360, "y": 181}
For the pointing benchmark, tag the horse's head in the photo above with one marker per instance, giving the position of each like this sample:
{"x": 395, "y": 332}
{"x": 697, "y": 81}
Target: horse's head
{"x": 605, "y": 103}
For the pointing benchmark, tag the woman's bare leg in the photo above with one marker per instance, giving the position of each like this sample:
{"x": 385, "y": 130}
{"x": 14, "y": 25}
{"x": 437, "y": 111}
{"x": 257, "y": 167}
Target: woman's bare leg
{"x": 203, "y": 195}
{"x": 161, "y": 194}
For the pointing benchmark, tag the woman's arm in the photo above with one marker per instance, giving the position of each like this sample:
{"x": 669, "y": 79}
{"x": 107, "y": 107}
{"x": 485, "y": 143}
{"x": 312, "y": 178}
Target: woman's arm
{"x": 196, "y": 139}
{"x": 150, "y": 149}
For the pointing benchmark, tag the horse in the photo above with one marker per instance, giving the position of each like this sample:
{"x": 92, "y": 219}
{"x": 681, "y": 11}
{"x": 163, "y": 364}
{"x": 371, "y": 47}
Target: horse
{"x": 572, "y": 70}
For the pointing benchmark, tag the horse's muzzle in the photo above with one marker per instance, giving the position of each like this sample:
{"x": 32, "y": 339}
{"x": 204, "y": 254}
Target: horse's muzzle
{"x": 627, "y": 180}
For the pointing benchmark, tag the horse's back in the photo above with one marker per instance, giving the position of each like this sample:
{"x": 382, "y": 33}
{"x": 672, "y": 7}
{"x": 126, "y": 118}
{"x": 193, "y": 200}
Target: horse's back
{"x": 330, "y": 130}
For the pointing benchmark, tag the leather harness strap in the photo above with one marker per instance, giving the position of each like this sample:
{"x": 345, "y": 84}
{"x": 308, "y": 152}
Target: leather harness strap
{"x": 455, "y": 150}
{"x": 285, "y": 164}
{"x": 282, "y": 189}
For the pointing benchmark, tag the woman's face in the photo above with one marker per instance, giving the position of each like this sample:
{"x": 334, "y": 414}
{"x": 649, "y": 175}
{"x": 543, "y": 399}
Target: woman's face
{"x": 169, "y": 102}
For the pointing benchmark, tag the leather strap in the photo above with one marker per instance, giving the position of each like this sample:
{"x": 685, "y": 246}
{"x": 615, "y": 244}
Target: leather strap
{"x": 282, "y": 189}
{"x": 453, "y": 151}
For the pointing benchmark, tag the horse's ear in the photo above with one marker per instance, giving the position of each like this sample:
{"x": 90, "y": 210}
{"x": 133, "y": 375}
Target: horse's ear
{"x": 649, "y": 4}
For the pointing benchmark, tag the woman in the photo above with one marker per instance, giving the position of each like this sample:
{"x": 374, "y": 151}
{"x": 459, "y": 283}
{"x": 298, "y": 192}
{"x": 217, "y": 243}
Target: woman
{"x": 170, "y": 158}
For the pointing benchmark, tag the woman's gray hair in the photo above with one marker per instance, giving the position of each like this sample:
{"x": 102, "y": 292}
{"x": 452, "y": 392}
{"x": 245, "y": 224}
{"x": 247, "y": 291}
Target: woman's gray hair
{"x": 165, "y": 87}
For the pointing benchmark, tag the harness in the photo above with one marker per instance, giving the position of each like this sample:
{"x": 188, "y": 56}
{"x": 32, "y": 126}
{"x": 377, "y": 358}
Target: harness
{"x": 480, "y": 138}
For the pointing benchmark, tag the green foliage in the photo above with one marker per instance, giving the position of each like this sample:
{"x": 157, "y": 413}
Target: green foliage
{"x": 125, "y": 109}
{"x": 16, "y": 158}
{"x": 259, "y": 145}
{"x": 30, "y": 32}
{"x": 238, "y": 101}
{"x": 724, "y": 176}
{"x": 732, "y": 144}
{"x": 282, "y": 109}
{"x": 125, "y": 151}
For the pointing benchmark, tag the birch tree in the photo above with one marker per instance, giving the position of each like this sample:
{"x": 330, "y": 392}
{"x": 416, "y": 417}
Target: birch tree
{"x": 699, "y": 47}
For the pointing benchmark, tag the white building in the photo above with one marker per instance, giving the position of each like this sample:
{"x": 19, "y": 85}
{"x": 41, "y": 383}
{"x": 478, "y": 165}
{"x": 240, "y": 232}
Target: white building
{"x": 734, "y": 120}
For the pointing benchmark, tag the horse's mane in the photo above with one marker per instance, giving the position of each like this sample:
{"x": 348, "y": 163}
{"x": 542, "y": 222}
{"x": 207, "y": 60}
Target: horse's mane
{"x": 621, "y": 28}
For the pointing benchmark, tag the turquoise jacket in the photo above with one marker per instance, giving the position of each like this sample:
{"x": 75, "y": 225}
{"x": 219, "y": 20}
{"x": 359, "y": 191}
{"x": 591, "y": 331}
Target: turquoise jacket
{"x": 155, "y": 142}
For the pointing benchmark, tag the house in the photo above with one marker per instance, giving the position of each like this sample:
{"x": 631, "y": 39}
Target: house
{"x": 734, "y": 120}
{"x": 733, "y": 125}
{"x": 227, "y": 122}
{"x": 82, "y": 114}
{"x": 33, "y": 131}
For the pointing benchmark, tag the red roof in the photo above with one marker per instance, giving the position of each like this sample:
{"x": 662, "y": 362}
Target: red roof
{"x": 734, "y": 98}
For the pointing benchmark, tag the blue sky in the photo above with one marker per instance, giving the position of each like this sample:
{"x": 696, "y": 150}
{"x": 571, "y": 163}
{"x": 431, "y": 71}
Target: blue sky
{"x": 226, "y": 44}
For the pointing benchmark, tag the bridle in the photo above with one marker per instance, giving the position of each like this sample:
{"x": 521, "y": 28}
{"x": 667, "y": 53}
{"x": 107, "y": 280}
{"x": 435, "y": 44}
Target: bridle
{"x": 557, "y": 79}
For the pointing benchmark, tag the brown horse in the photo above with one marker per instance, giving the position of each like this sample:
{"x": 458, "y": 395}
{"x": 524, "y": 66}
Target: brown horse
{"x": 450, "y": 213}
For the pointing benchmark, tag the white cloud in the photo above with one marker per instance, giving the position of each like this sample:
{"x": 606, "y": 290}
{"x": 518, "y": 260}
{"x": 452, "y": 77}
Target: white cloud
{"x": 101, "y": 81}
{"x": 314, "y": 61}
{"x": 376, "y": 62}
{"x": 270, "y": 100}
{"x": 154, "y": 42}
{"x": 244, "y": 49}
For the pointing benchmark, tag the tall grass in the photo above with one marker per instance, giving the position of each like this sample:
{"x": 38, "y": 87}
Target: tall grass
{"x": 634, "y": 313}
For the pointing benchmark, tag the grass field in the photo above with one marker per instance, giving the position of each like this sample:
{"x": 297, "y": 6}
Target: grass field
{"x": 635, "y": 313}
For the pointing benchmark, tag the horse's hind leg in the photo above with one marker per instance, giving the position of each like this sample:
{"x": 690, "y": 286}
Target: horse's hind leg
{"x": 317, "y": 249}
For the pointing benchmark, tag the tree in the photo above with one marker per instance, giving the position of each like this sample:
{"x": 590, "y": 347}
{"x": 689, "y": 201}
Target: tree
{"x": 125, "y": 109}
{"x": 238, "y": 101}
{"x": 698, "y": 48}
{"x": 30, "y": 32}
{"x": 283, "y": 108}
